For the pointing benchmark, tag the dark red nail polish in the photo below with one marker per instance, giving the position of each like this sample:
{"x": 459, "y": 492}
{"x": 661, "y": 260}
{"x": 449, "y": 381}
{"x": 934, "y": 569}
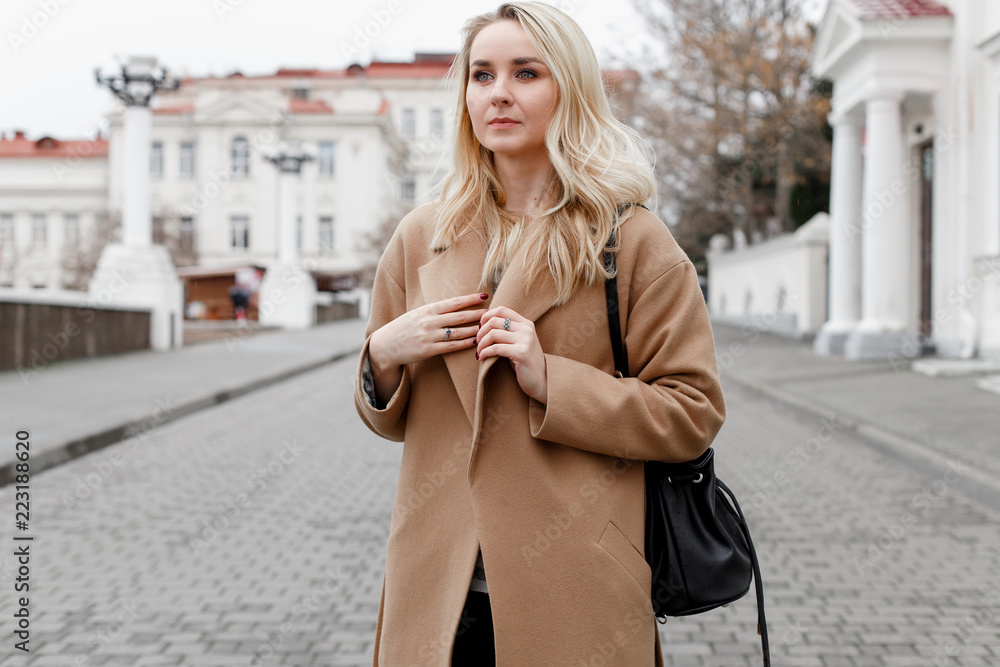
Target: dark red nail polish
{"x": 475, "y": 342}
{"x": 484, "y": 296}
{"x": 477, "y": 355}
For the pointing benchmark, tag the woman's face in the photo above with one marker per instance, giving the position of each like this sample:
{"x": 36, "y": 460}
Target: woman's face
{"x": 511, "y": 94}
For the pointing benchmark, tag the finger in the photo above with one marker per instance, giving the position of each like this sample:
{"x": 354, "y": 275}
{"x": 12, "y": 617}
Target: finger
{"x": 495, "y": 337}
{"x": 501, "y": 323}
{"x": 453, "y": 345}
{"x": 459, "y": 333}
{"x": 457, "y": 303}
{"x": 460, "y": 318}
{"x": 496, "y": 348}
{"x": 503, "y": 312}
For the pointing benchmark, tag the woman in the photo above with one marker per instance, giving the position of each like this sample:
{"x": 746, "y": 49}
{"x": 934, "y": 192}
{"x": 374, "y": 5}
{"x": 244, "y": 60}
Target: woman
{"x": 488, "y": 354}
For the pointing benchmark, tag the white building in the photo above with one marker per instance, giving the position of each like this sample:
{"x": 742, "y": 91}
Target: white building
{"x": 381, "y": 134}
{"x": 915, "y": 202}
{"x": 53, "y": 195}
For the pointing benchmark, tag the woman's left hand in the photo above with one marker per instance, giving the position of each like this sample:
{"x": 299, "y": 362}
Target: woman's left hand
{"x": 519, "y": 343}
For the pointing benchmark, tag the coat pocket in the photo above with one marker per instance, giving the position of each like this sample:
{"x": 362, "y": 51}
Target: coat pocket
{"x": 618, "y": 546}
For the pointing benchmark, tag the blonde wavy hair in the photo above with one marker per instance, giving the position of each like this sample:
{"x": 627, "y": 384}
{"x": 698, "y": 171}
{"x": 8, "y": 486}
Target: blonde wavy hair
{"x": 599, "y": 163}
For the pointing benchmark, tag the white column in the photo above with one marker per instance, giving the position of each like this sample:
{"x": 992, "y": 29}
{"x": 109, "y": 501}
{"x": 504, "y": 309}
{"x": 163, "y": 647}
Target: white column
{"x": 288, "y": 251}
{"x": 885, "y": 248}
{"x": 845, "y": 235}
{"x": 136, "y": 213}
{"x": 885, "y": 243}
{"x": 137, "y": 272}
{"x": 288, "y": 291}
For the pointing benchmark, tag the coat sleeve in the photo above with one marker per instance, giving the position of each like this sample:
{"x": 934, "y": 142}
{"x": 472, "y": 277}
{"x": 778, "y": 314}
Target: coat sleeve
{"x": 671, "y": 407}
{"x": 388, "y": 303}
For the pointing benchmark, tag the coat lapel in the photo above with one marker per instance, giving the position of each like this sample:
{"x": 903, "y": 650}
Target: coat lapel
{"x": 456, "y": 271}
{"x": 530, "y": 297}
{"x": 452, "y": 273}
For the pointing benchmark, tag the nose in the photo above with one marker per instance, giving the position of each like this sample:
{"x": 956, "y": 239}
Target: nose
{"x": 500, "y": 93}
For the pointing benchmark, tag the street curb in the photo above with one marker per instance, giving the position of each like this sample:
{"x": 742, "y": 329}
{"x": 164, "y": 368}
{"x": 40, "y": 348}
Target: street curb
{"x": 983, "y": 487}
{"x": 78, "y": 447}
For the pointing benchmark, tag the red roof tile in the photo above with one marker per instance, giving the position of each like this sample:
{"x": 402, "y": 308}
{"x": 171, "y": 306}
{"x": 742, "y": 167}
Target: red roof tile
{"x": 296, "y": 105}
{"x": 20, "y": 146}
{"x": 426, "y": 68}
{"x": 180, "y": 108}
{"x": 882, "y": 9}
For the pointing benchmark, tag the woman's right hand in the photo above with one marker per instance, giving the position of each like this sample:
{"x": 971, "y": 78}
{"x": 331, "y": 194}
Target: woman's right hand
{"x": 420, "y": 334}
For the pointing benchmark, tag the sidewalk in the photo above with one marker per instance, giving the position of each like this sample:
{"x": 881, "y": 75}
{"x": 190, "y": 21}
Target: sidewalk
{"x": 927, "y": 422}
{"x": 76, "y": 407}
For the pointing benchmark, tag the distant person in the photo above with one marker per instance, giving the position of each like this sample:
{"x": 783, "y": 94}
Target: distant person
{"x": 240, "y": 297}
{"x": 517, "y": 532}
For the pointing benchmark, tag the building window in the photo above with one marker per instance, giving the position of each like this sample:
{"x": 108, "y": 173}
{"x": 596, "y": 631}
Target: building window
{"x": 71, "y": 230}
{"x": 298, "y": 232}
{"x": 408, "y": 189}
{"x": 159, "y": 230}
{"x": 156, "y": 160}
{"x": 300, "y": 93}
{"x": 409, "y": 123}
{"x": 326, "y": 159}
{"x": 187, "y": 159}
{"x": 437, "y": 123}
{"x": 240, "y": 164}
{"x": 6, "y": 230}
{"x": 326, "y": 234}
{"x": 39, "y": 230}
{"x": 186, "y": 240}
{"x": 239, "y": 228}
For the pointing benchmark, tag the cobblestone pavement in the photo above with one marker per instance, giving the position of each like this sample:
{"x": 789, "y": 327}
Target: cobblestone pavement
{"x": 253, "y": 533}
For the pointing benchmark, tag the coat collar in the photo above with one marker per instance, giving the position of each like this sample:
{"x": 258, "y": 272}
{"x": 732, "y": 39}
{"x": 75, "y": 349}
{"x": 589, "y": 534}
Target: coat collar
{"x": 456, "y": 271}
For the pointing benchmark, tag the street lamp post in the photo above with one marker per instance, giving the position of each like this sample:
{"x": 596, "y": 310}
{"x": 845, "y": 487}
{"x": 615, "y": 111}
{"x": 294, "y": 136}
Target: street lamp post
{"x": 288, "y": 292}
{"x": 136, "y": 271}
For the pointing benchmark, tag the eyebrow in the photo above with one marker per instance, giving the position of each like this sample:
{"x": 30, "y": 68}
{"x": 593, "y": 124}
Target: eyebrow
{"x": 514, "y": 61}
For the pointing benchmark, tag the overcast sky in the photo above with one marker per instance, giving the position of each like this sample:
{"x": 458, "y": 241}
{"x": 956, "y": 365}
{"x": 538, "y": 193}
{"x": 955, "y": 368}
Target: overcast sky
{"x": 50, "y": 48}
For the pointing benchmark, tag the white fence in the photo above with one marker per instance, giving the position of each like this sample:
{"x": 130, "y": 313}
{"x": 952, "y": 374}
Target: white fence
{"x": 778, "y": 285}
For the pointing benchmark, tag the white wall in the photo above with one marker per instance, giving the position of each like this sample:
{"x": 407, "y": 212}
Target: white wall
{"x": 778, "y": 285}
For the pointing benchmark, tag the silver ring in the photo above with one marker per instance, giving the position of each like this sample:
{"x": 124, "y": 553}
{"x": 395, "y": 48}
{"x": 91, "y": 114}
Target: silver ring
{"x": 506, "y": 324}
{"x": 447, "y": 334}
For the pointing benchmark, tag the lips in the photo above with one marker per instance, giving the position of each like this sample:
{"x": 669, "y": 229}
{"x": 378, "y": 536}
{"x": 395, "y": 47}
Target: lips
{"x": 502, "y": 123}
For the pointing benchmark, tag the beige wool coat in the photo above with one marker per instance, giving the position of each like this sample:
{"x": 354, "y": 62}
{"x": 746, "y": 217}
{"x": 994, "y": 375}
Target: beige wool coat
{"x": 553, "y": 493}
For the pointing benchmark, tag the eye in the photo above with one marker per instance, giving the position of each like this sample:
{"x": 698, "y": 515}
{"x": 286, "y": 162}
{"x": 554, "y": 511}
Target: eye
{"x": 530, "y": 74}
{"x": 480, "y": 76}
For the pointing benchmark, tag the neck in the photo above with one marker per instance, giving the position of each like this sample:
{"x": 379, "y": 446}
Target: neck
{"x": 524, "y": 181}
